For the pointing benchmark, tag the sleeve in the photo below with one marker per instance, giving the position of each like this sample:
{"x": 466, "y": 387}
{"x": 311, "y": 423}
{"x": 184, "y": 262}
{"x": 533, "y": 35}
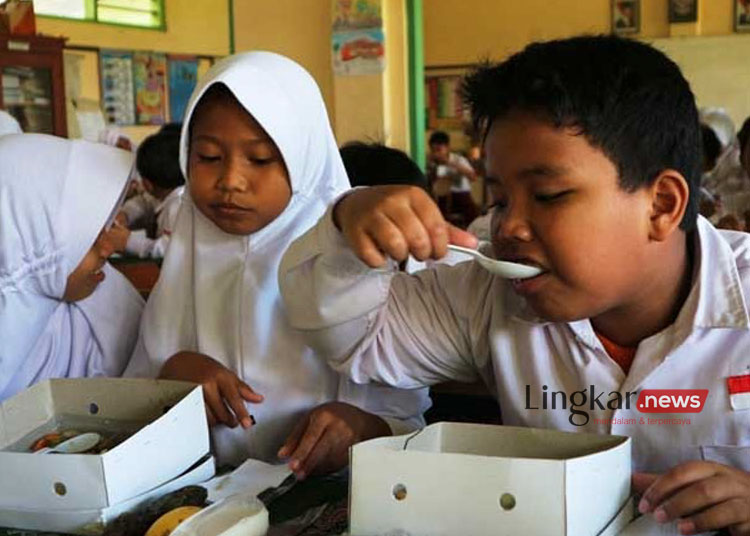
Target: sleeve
{"x": 144, "y": 247}
{"x": 378, "y": 325}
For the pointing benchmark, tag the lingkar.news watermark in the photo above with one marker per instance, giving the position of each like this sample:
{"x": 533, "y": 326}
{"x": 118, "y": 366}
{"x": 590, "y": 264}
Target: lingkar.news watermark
{"x": 581, "y": 403}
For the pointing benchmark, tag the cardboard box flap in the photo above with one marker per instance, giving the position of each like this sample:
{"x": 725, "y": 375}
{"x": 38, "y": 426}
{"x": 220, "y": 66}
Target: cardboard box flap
{"x": 452, "y": 478}
{"x": 169, "y": 433}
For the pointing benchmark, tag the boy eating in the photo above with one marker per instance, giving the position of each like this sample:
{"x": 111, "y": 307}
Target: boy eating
{"x": 593, "y": 151}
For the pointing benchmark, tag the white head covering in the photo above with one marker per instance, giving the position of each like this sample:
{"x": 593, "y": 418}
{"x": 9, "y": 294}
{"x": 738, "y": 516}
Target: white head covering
{"x": 8, "y": 124}
{"x": 111, "y": 135}
{"x": 55, "y": 197}
{"x": 718, "y": 120}
{"x": 218, "y": 293}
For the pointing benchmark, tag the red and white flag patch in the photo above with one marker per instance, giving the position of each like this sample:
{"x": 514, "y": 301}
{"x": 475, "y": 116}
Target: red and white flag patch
{"x": 739, "y": 391}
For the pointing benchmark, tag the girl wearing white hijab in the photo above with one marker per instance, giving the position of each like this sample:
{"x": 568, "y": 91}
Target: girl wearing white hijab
{"x": 63, "y": 311}
{"x": 8, "y": 124}
{"x": 262, "y": 166}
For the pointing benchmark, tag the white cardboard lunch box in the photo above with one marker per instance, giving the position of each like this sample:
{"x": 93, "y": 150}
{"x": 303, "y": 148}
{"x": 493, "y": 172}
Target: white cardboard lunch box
{"x": 172, "y": 435}
{"x": 92, "y": 522}
{"x": 455, "y": 478}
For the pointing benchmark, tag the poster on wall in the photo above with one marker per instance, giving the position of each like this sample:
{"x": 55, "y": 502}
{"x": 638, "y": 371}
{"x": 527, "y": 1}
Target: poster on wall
{"x": 116, "y": 72}
{"x": 359, "y": 52}
{"x": 445, "y": 110}
{"x": 149, "y": 83}
{"x": 351, "y": 15}
{"x": 183, "y": 76}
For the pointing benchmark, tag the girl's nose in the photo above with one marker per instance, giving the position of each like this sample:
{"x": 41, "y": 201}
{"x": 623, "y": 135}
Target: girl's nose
{"x": 232, "y": 178}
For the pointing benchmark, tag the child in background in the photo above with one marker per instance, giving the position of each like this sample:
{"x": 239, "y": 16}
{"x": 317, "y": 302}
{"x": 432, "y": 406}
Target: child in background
{"x": 445, "y": 166}
{"x": 153, "y": 213}
{"x": 595, "y": 167}
{"x": 64, "y": 312}
{"x": 261, "y": 165}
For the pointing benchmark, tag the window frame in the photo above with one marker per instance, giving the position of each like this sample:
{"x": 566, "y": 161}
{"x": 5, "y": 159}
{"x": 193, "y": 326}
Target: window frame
{"x": 91, "y": 16}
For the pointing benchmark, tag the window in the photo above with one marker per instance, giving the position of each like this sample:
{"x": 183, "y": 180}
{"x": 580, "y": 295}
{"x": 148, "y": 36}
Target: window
{"x": 140, "y": 13}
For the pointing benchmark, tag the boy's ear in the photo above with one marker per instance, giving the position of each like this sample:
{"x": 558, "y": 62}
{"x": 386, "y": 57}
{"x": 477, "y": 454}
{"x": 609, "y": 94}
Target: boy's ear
{"x": 669, "y": 200}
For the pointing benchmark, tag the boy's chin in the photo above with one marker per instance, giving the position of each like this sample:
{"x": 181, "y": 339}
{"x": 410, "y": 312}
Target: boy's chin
{"x": 556, "y": 312}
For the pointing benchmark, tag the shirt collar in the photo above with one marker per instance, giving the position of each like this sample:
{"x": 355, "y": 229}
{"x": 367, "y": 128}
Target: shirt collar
{"x": 176, "y": 192}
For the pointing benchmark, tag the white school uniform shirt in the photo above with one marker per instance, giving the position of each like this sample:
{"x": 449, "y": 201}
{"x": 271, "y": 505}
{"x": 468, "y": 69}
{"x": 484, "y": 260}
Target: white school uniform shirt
{"x": 218, "y": 293}
{"x": 462, "y": 323}
{"x": 55, "y": 197}
{"x": 165, "y": 212}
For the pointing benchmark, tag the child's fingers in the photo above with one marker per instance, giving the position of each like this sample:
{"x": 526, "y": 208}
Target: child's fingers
{"x": 460, "y": 237}
{"x": 673, "y": 480}
{"x": 413, "y": 232}
{"x": 290, "y": 445}
{"x": 698, "y": 496}
{"x": 230, "y": 392}
{"x": 319, "y": 452}
{"x": 313, "y": 432}
{"x": 435, "y": 226}
{"x": 641, "y": 481}
{"x": 723, "y": 515}
{"x": 366, "y": 249}
{"x": 212, "y": 421}
{"x": 216, "y": 404}
{"x": 388, "y": 237}
{"x": 248, "y": 394}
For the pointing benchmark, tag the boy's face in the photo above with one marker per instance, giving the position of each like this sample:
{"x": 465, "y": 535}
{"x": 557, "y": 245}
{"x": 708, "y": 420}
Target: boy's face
{"x": 238, "y": 179}
{"x": 559, "y": 206}
{"x": 439, "y": 152}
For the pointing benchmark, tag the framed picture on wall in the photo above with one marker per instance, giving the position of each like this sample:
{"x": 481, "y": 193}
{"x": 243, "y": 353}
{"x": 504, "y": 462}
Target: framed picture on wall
{"x": 626, "y": 16}
{"x": 742, "y": 15}
{"x": 683, "y": 10}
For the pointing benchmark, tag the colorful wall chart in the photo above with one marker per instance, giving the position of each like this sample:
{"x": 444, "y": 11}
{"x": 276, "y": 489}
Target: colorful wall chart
{"x": 149, "y": 83}
{"x": 117, "y": 86}
{"x": 183, "y": 75}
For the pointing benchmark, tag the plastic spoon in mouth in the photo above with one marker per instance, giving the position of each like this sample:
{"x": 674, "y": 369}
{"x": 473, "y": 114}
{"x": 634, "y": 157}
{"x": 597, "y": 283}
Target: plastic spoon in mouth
{"x": 74, "y": 445}
{"x": 508, "y": 270}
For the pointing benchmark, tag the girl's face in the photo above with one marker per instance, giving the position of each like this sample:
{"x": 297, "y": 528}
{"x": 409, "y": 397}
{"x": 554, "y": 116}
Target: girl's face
{"x": 82, "y": 282}
{"x": 238, "y": 178}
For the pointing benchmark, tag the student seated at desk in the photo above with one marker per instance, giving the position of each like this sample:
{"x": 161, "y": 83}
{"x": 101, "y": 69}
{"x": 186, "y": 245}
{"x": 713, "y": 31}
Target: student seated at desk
{"x": 592, "y": 145}
{"x": 64, "y": 312}
{"x": 262, "y": 165}
{"x": 147, "y": 220}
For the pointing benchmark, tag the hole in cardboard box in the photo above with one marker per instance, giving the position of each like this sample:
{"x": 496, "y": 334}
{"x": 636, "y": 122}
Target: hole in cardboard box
{"x": 399, "y": 492}
{"x": 93, "y": 408}
{"x": 507, "y": 501}
{"x": 60, "y": 488}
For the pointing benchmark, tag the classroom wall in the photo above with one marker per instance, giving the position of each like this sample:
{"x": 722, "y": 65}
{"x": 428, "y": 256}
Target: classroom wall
{"x": 197, "y": 27}
{"x": 714, "y": 59}
{"x": 365, "y": 107}
{"x": 300, "y": 29}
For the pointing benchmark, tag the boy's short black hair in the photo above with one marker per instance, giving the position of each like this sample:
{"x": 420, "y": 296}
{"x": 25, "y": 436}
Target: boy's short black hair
{"x": 439, "y": 138}
{"x": 158, "y": 160}
{"x": 627, "y": 98}
{"x": 711, "y": 145}
{"x": 375, "y": 164}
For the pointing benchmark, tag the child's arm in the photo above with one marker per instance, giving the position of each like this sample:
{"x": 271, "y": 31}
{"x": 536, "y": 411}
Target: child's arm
{"x": 224, "y": 393}
{"x": 700, "y": 496}
{"x": 393, "y": 328}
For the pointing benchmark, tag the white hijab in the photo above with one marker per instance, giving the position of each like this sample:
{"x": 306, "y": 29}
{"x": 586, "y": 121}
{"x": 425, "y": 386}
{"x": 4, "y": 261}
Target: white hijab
{"x": 8, "y": 124}
{"x": 55, "y": 197}
{"x": 218, "y": 293}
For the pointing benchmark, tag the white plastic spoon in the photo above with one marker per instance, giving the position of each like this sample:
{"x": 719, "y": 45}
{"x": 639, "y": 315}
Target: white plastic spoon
{"x": 508, "y": 270}
{"x": 74, "y": 445}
